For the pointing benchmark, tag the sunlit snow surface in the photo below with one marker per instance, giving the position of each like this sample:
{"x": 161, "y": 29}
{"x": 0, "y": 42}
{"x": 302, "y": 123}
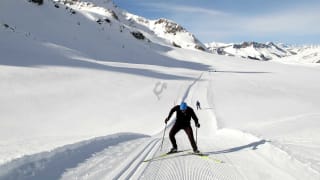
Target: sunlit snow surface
{"x": 84, "y": 100}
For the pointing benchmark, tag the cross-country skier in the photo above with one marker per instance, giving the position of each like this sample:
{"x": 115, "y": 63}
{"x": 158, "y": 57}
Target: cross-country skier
{"x": 183, "y": 118}
{"x": 198, "y": 105}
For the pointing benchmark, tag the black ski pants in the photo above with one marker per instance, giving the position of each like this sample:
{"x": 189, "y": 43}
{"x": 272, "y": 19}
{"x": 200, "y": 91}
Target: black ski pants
{"x": 175, "y": 129}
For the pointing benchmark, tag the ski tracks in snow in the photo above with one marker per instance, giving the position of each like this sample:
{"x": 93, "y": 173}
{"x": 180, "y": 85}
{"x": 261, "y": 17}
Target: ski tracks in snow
{"x": 51, "y": 165}
{"x": 121, "y": 156}
{"x": 175, "y": 166}
{"x": 187, "y": 166}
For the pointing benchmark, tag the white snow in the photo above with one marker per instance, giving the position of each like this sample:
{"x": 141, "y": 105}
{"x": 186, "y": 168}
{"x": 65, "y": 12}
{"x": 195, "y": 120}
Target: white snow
{"x": 305, "y": 55}
{"x": 82, "y": 100}
{"x": 251, "y": 50}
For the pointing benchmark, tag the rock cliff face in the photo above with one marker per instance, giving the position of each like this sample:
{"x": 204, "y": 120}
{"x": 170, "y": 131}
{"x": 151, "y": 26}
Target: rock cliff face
{"x": 177, "y": 35}
{"x": 169, "y": 26}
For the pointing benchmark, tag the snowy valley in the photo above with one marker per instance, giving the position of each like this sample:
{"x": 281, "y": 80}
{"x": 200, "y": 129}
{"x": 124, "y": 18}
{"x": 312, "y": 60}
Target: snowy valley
{"x": 86, "y": 86}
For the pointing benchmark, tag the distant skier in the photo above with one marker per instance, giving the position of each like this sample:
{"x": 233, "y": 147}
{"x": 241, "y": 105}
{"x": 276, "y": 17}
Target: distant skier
{"x": 183, "y": 118}
{"x": 198, "y": 105}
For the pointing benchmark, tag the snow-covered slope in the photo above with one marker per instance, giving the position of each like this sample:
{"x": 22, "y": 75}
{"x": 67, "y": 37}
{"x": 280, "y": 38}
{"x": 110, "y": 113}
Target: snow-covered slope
{"x": 176, "y": 34}
{"x": 305, "y": 54}
{"x": 267, "y": 51}
{"x": 79, "y": 18}
{"x": 171, "y": 32}
{"x": 251, "y": 50}
{"x": 59, "y": 52}
{"x": 84, "y": 95}
{"x": 168, "y": 31}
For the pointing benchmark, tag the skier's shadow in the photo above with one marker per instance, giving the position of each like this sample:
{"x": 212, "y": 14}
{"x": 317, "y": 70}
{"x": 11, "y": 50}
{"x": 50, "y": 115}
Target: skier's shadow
{"x": 253, "y": 146}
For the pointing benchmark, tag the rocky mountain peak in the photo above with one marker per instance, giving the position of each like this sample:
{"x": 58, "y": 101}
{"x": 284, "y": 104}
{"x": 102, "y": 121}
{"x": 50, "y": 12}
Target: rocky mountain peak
{"x": 170, "y": 26}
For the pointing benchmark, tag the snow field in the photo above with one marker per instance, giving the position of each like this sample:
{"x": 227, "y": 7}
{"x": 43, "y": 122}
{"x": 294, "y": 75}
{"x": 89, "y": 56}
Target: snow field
{"x": 73, "y": 80}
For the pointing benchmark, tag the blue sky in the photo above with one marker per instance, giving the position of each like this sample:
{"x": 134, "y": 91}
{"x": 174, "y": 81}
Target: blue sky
{"x": 286, "y": 21}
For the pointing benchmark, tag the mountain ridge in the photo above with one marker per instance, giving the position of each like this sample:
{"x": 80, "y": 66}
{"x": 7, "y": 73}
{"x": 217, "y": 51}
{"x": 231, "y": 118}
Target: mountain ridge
{"x": 165, "y": 31}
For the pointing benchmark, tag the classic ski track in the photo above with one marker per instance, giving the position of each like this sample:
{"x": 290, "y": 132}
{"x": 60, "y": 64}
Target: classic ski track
{"x": 132, "y": 165}
{"x": 180, "y": 166}
{"x": 177, "y": 166}
{"x": 186, "y": 166}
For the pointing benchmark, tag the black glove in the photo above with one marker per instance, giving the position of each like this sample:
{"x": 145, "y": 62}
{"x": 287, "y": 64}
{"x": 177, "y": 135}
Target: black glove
{"x": 198, "y": 125}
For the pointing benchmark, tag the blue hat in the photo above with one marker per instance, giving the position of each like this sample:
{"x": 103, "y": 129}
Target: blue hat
{"x": 183, "y": 106}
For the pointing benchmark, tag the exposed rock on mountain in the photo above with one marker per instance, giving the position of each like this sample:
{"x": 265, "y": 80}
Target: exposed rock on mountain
{"x": 250, "y": 50}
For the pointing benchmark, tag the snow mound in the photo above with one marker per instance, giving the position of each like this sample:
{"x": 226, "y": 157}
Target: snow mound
{"x": 52, "y": 164}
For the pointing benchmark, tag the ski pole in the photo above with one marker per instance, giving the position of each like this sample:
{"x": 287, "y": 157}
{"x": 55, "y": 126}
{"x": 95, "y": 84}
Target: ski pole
{"x": 164, "y": 131}
{"x": 196, "y": 136}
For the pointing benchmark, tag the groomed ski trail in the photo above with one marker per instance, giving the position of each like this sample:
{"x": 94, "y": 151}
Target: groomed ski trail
{"x": 181, "y": 165}
{"x": 240, "y": 152}
{"x": 244, "y": 156}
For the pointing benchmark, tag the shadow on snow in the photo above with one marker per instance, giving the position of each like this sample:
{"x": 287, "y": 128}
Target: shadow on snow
{"x": 51, "y": 165}
{"x": 253, "y": 146}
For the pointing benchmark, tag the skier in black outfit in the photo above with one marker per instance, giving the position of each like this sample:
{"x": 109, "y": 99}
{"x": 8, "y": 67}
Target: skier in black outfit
{"x": 183, "y": 118}
{"x": 198, "y": 105}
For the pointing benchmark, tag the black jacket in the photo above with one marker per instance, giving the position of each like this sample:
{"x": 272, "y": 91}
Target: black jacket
{"x": 183, "y": 119}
